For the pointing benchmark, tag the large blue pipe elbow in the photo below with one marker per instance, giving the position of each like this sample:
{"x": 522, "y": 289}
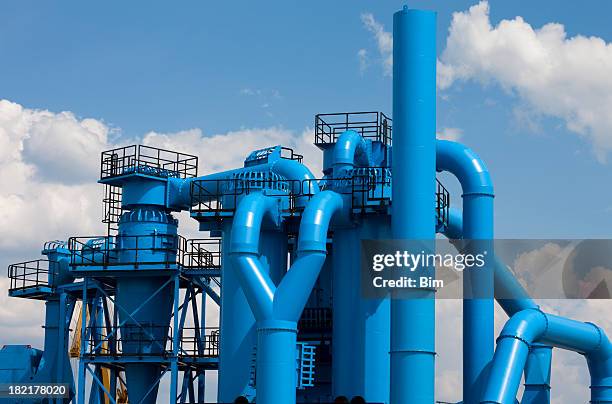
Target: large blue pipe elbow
{"x": 295, "y": 288}
{"x": 465, "y": 164}
{"x": 295, "y": 171}
{"x": 477, "y": 224}
{"x": 244, "y": 251}
{"x": 533, "y": 325}
{"x": 350, "y": 149}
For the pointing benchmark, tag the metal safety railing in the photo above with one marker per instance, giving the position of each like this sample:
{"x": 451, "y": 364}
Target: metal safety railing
{"x": 147, "y": 160}
{"x": 128, "y": 339}
{"x": 371, "y": 125}
{"x": 199, "y": 253}
{"x": 369, "y": 187}
{"x": 151, "y": 339}
{"x": 200, "y": 342}
{"x": 160, "y": 250}
{"x": 220, "y": 196}
{"x": 30, "y": 274}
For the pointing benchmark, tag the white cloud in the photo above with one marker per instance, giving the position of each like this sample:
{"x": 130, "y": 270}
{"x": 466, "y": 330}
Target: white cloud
{"x": 48, "y": 167}
{"x": 453, "y": 134}
{"x": 384, "y": 41}
{"x": 362, "y": 56}
{"x": 553, "y": 74}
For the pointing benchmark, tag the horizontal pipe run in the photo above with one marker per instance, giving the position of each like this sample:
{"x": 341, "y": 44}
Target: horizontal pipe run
{"x": 302, "y": 179}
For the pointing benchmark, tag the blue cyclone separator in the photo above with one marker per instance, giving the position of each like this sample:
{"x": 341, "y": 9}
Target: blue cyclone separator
{"x": 412, "y": 352}
{"x": 153, "y": 319}
{"x": 477, "y": 221}
{"x": 277, "y": 309}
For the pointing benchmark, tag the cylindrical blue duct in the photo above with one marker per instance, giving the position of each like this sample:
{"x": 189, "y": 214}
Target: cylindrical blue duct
{"x": 302, "y": 181}
{"x": 276, "y": 361}
{"x": 145, "y": 303}
{"x": 537, "y": 375}
{"x": 478, "y": 334}
{"x": 414, "y": 167}
{"x": 529, "y": 326}
{"x": 237, "y": 328}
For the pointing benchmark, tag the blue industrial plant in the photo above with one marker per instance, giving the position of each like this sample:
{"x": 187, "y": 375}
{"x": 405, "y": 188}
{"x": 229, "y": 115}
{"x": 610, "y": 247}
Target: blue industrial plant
{"x": 281, "y": 258}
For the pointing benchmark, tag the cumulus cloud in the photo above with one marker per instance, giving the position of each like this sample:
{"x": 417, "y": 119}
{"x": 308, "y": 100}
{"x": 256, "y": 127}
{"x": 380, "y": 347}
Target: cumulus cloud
{"x": 384, "y": 41}
{"x": 550, "y": 73}
{"x": 555, "y": 75}
{"x": 47, "y": 175}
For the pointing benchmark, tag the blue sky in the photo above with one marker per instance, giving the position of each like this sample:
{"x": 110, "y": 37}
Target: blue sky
{"x": 217, "y": 79}
{"x": 220, "y": 67}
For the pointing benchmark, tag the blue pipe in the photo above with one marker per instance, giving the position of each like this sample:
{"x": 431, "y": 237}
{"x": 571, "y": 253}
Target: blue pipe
{"x": 412, "y": 352}
{"x": 179, "y": 189}
{"x": 537, "y": 375}
{"x": 537, "y": 369}
{"x": 533, "y": 325}
{"x": 505, "y": 283}
{"x": 478, "y": 334}
{"x": 277, "y": 309}
{"x": 294, "y": 170}
{"x": 238, "y": 329}
{"x": 350, "y": 149}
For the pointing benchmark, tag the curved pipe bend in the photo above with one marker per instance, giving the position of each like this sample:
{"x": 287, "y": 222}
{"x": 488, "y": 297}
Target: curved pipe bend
{"x": 466, "y": 165}
{"x": 254, "y": 278}
{"x": 477, "y": 224}
{"x": 532, "y": 325}
{"x": 351, "y": 148}
{"x": 286, "y": 301}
